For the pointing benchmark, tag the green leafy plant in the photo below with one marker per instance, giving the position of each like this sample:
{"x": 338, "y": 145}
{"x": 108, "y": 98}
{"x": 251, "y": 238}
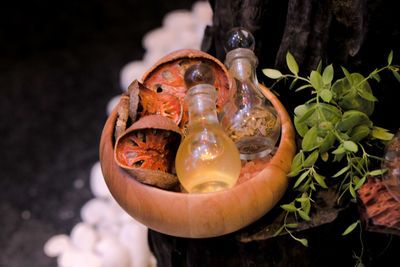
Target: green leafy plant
{"x": 335, "y": 127}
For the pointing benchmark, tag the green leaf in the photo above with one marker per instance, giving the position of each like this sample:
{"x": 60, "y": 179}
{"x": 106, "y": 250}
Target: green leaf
{"x": 297, "y": 161}
{"x": 304, "y": 215}
{"x": 292, "y": 64}
{"x": 352, "y": 118}
{"x": 352, "y": 191}
{"x": 303, "y": 87}
{"x": 340, "y": 88}
{"x": 390, "y": 57}
{"x": 319, "y": 67}
{"x": 301, "y": 178}
{"x": 311, "y": 159}
{"x": 326, "y": 95}
{"x": 339, "y": 150}
{"x": 327, "y": 143}
{"x": 376, "y": 76}
{"x": 350, "y": 228}
{"x": 279, "y": 230}
{"x": 350, "y": 146}
{"x": 301, "y": 127}
{"x": 377, "y": 172}
{"x": 302, "y": 199}
{"x": 366, "y": 95}
{"x": 289, "y": 207}
{"x": 324, "y": 155}
{"x": 347, "y": 74}
{"x": 303, "y": 241}
{"x": 272, "y": 73}
{"x": 359, "y": 183}
{"x": 310, "y": 139}
{"x": 320, "y": 180}
{"x": 316, "y": 80}
{"x": 396, "y": 75}
{"x": 343, "y": 170}
{"x": 292, "y": 84}
{"x": 381, "y": 133}
{"x": 359, "y": 133}
{"x": 327, "y": 75}
{"x": 292, "y": 225}
{"x": 307, "y": 114}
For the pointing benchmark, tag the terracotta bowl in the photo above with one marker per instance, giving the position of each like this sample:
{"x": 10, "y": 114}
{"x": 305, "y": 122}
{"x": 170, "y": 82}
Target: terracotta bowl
{"x": 201, "y": 215}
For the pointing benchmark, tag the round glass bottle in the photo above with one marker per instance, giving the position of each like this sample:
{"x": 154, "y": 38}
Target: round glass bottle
{"x": 207, "y": 160}
{"x": 247, "y": 117}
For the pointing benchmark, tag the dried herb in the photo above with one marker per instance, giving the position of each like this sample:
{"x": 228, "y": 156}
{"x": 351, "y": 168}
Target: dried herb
{"x": 335, "y": 128}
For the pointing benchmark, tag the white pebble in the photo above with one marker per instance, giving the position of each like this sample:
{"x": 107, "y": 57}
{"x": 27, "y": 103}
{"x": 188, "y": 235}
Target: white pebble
{"x": 83, "y": 236}
{"x": 112, "y": 103}
{"x": 105, "y": 228}
{"x": 132, "y": 71}
{"x": 202, "y": 12}
{"x": 78, "y": 258}
{"x": 134, "y": 237}
{"x": 56, "y": 245}
{"x": 92, "y": 212}
{"x": 97, "y": 184}
{"x": 178, "y": 20}
{"x": 112, "y": 253}
{"x": 159, "y": 39}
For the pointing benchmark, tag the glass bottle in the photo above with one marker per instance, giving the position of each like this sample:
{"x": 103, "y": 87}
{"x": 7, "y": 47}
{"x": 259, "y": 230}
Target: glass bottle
{"x": 391, "y": 179}
{"x": 247, "y": 117}
{"x": 207, "y": 160}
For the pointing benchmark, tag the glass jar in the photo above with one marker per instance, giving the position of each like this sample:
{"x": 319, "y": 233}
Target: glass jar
{"x": 207, "y": 160}
{"x": 247, "y": 117}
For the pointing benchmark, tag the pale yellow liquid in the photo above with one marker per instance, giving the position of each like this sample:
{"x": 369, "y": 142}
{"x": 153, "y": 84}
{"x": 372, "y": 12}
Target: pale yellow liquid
{"x": 209, "y": 165}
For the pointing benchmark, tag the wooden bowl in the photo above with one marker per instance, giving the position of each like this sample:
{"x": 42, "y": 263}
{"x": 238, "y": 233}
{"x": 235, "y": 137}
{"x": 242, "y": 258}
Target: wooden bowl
{"x": 201, "y": 215}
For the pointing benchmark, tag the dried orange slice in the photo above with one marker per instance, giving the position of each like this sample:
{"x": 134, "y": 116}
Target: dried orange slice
{"x": 147, "y": 150}
{"x": 164, "y": 104}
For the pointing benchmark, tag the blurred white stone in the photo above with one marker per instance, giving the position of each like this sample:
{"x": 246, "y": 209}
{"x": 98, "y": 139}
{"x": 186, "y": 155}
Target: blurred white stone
{"x": 178, "y": 20}
{"x": 97, "y": 184}
{"x": 113, "y": 254}
{"x": 134, "y": 237}
{"x": 112, "y": 103}
{"x": 83, "y": 236}
{"x": 202, "y": 12}
{"x": 73, "y": 257}
{"x": 106, "y": 229}
{"x": 56, "y": 245}
{"x": 92, "y": 212}
{"x": 132, "y": 71}
{"x": 159, "y": 39}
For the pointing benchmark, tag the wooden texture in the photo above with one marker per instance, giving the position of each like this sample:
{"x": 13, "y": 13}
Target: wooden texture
{"x": 379, "y": 209}
{"x": 201, "y": 215}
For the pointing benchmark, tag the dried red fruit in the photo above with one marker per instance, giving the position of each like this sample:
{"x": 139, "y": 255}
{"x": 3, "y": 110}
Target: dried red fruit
{"x": 166, "y": 76}
{"x": 160, "y": 104}
{"x": 147, "y": 150}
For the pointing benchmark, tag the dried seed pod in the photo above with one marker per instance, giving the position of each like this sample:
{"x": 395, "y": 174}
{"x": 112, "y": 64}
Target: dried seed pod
{"x": 133, "y": 91}
{"x": 147, "y": 150}
{"x": 166, "y": 76}
{"x": 123, "y": 114}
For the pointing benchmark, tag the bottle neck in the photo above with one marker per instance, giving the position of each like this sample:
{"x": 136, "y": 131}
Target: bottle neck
{"x": 242, "y": 63}
{"x": 201, "y": 104}
{"x": 244, "y": 88}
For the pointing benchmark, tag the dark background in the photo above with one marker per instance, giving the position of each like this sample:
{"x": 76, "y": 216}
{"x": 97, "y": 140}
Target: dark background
{"x": 59, "y": 66}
